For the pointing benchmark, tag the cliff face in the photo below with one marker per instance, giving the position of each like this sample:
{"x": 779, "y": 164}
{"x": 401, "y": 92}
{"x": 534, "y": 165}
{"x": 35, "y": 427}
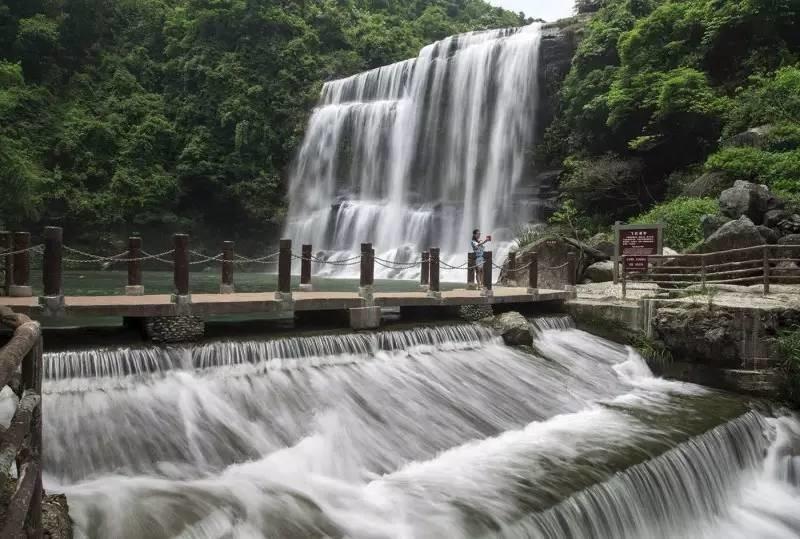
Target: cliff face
{"x": 560, "y": 40}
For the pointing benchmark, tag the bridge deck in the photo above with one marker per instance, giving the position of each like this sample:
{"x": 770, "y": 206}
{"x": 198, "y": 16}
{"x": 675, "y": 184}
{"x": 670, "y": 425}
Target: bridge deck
{"x": 266, "y": 302}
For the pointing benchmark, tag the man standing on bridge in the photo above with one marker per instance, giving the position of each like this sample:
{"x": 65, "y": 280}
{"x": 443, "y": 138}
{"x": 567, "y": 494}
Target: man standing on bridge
{"x": 477, "y": 248}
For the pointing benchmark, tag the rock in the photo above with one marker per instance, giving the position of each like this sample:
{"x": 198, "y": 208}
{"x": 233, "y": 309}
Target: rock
{"x": 666, "y": 251}
{"x": 790, "y": 225}
{"x": 474, "y": 313}
{"x": 698, "y": 334}
{"x": 600, "y": 272}
{"x": 746, "y": 198}
{"x": 513, "y": 327}
{"x": 773, "y": 217}
{"x": 603, "y": 243}
{"x": 181, "y": 328}
{"x": 755, "y": 137}
{"x": 791, "y": 239}
{"x": 106, "y": 266}
{"x": 552, "y": 254}
{"x": 770, "y": 236}
{"x": 732, "y": 235}
{"x": 712, "y": 223}
{"x": 710, "y": 184}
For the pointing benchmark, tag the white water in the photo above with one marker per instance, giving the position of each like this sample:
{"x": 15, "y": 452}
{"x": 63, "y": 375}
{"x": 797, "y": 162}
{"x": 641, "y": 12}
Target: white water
{"x": 418, "y": 153}
{"x": 433, "y": 432}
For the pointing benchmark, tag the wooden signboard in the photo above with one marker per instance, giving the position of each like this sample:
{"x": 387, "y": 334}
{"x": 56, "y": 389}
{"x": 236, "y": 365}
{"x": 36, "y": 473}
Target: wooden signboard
{"x": 636, "y": 243}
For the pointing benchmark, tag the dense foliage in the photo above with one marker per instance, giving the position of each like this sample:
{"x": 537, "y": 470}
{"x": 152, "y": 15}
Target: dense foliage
{"x": 662, "y": 89}
{"x": 121, "y": 115}
{"x": 680, "y": 217}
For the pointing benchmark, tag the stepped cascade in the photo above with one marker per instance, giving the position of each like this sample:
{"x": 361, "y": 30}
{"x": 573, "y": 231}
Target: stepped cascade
{"x": 426, "y": 432}
{"x": 418, "y": 153}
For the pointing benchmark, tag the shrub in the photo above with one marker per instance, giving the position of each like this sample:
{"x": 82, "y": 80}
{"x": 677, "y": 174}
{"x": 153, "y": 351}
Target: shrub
{"x": 789, "y": 349}
{"x": 780, "y": 170}
{"x": 609, "y": 186}
{"x": 681, "y": 218}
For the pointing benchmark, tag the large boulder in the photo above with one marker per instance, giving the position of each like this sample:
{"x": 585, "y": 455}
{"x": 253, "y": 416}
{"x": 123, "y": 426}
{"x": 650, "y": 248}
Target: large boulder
{"x": 755, "y": 137}
{"x": 552, "y": 253}
{"x": 791, "y": 239}
{"x": 749, "y": 199}
{"x": 710, "y": 184}
{"x": 603, "y": 243}
{"x": 600, "y": 272}
{"x": 770, "y": 236}
{"x": 789, "y": 225}
{"x": 513, "y": 327}
{"x": 732, "y": 235}
{"x": 711, "y": 223}
{"x": 773, "y": 217}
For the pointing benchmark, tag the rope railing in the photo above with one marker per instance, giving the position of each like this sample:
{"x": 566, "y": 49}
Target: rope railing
{"x": 181, "y": 258}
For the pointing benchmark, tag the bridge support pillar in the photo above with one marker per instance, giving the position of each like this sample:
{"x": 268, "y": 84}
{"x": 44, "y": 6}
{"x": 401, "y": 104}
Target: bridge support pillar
{"x": 365, "y": 318}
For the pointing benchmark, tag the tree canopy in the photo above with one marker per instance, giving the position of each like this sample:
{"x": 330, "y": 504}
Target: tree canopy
{"x": 121, "y": 115}
{"x": 660, "y": 88}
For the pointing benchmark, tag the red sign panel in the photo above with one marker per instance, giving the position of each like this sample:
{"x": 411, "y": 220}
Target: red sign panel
{"x": 641, "y": 242}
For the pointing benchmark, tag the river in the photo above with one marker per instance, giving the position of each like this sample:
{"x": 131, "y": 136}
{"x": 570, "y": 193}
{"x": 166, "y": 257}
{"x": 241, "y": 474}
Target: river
{"x": 434, "y": 431}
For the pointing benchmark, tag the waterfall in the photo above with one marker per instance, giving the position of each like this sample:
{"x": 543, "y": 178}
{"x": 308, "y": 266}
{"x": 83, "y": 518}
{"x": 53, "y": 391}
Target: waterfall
{"x": 419, "y": 153}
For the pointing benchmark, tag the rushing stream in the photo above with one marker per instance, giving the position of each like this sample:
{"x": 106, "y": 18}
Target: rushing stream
{"x": 429, "y": 432}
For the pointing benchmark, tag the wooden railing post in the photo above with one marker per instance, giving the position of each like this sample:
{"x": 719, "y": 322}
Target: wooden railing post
{"x": 305, "y": 269}
{"x": 22, "y": 266}
{"x": 512, "y": 266}
{"x": 134, "y": 286}
{"x": 471, "y": 284}
{"x": 180, "y": 259}
{"x": 425, "y": 271}
{"x": 572, "y": 273}
{"x": 624, "y": 279}
{"x": 52, "y": 299}
{"x": 766, "y": 269}
{"x": 285, "y": 269}
{"x": 367, "y": 270}
{"x": 703, "y": 273}
{"x": 487, "y": 274}
{"x": 7, "y": 244}
{"x": 226, "y": 278}
{"x": 533, "y": 273}
{"x": 433, "y": 285}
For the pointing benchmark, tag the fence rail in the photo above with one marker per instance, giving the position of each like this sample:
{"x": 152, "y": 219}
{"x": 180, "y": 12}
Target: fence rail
{"x": 17, "y": 252}
{"x": 761, "y": 264}
{"x": 22, "y": 441}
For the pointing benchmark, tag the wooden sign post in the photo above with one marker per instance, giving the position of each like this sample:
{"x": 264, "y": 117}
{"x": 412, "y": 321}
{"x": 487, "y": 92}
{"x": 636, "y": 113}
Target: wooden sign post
{"x": 636, "y": 243}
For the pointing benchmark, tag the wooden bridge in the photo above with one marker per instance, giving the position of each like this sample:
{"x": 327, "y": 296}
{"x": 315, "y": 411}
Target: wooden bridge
{"x": 363, "y": 304}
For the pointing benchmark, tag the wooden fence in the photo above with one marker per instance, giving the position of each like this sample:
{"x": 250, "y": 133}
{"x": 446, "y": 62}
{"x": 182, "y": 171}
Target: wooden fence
{"x": 22, "y": 441}
{"x": 762, "y": 264}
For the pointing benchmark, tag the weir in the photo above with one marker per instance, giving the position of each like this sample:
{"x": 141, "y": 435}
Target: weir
{"x": 437, "y": 431}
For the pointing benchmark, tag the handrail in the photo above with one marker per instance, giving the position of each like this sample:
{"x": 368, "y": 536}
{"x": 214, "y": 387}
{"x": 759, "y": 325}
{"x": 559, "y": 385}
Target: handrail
{"x": 22, "y": 441}
{"x": 763, "y": 269}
